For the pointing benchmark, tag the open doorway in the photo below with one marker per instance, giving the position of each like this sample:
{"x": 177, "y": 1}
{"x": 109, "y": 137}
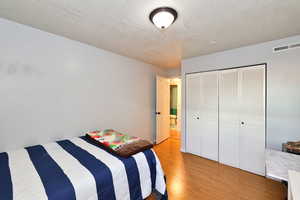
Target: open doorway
{"x": 168, "y": 108}
{"x": 175, "y": 107}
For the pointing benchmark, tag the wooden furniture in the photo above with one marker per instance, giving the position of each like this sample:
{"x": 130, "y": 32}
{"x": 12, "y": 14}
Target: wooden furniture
{"x": 292, "y": 147}
{"x": 225, "y": 117}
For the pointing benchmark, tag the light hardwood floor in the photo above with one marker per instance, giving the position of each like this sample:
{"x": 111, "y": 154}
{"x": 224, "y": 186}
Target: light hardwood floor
{"x": 190, "y": 177}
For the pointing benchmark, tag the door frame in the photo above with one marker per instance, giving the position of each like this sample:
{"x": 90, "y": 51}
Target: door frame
{"x": 223, "y": 69}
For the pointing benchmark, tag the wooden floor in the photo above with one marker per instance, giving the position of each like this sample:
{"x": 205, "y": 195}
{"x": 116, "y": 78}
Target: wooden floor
{"x": 194, "y": 178}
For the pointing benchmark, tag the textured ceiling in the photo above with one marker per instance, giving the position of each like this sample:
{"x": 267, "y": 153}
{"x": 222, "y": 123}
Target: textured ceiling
{"x": 123, "y": 27}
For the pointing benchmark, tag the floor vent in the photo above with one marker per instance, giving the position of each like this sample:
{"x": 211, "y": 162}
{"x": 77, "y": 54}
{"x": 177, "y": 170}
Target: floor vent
{"x": 283, "y": 48}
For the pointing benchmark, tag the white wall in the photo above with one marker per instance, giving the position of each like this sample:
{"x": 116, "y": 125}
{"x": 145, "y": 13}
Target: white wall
{"x": 52, "y": 88}
{"x": 283, "y": 84}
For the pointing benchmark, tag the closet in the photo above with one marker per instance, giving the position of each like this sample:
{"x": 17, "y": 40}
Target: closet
{"x": 225, "y": 116}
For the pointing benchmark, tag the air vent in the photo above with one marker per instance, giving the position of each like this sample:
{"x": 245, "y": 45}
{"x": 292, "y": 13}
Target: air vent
{"x": 283, "y": 48}
{"x": 294, "y": 45}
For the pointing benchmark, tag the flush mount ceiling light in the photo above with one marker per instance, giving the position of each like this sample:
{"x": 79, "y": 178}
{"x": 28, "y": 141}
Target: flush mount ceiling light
{"x": 163, "y": 17}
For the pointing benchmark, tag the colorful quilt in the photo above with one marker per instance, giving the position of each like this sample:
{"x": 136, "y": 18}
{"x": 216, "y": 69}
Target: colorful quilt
{"x": 112, "y": 138}
{"x": 118, "y": 143}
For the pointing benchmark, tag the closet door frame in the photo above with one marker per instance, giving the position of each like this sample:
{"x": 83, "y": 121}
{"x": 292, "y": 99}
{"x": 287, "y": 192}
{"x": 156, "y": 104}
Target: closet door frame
{"x": 222, "y": 69}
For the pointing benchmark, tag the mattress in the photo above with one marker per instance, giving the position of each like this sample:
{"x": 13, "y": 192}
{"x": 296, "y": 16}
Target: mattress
{"x": 78, "y": 169}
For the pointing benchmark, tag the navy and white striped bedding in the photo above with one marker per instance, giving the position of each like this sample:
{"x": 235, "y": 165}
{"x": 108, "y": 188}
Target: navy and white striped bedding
{"x": 77, "y": 169}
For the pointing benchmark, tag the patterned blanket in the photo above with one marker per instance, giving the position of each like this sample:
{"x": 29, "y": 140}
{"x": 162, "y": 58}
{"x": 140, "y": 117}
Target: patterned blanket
{"x": 118, "y": 143}
{"x": 112, "y": 138}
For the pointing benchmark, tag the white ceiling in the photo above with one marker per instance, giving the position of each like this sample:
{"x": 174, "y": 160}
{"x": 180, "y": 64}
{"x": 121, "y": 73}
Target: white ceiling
{"x": 123, "y": 26}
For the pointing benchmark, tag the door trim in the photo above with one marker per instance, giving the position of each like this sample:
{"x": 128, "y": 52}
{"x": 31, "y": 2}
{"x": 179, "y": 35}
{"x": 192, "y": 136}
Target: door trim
{"x": 226, "y": 68}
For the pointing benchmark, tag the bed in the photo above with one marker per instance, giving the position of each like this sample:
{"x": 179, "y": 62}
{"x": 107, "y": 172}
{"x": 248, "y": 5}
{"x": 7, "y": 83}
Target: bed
{"x": 78, "y": 169}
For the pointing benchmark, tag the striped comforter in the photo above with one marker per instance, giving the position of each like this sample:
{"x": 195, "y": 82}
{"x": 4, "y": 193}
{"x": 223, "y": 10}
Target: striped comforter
{"x": 77, "y": 169}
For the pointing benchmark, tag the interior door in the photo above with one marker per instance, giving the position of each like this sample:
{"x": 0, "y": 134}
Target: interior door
{"x": 229, "y": 123}
{"x": 193, "y": 99}
{"x": 209, "y": 114}
{"x": 202, "y": 114}
{"x": 162, "y": 109}
{"x": 252, "y": 116}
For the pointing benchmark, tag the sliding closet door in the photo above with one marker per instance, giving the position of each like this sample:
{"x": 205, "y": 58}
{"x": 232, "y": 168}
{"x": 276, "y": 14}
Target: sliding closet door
{"x": 192, "y": 113}
{"x": 229, "y": 122}
{"x": 252, "y": 116}
{"x": 208, "y": 114}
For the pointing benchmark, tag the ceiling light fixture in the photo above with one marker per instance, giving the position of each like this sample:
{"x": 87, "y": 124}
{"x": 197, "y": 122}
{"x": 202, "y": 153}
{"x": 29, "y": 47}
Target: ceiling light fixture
{"x": 163, "y": 17}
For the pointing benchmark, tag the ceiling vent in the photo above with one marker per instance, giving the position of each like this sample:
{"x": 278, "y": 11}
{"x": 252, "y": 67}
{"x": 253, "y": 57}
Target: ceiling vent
{"x": 283, "y": 48}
